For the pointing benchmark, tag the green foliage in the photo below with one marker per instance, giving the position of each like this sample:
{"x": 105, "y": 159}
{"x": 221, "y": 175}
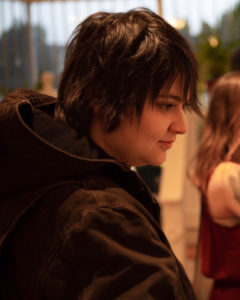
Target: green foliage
{"x": 214, "y": 59}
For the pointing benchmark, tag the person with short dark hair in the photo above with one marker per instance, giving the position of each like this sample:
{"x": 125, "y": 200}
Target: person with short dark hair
{"x": 76, "y": 222}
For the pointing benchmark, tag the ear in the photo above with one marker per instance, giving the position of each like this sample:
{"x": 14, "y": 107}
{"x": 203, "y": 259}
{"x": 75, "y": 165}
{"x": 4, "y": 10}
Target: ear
{"x": 94, "y": 104}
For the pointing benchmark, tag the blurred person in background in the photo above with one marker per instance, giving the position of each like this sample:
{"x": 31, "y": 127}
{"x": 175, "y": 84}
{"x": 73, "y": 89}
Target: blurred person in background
{"x": 235, "y": 60}
{"x": 217, "y": 176}
{"x": 75, "y": 221}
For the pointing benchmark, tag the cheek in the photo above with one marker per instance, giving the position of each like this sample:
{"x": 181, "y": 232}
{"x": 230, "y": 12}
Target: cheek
{"x": 154, "y": 127}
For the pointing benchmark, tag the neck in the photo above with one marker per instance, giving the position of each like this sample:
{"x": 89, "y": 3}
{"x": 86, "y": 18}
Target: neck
{"x": 96, "y": 133}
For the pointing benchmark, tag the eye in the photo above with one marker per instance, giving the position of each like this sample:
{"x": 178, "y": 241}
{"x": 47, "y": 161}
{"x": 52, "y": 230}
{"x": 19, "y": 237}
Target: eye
{"x": 166, "y": 106}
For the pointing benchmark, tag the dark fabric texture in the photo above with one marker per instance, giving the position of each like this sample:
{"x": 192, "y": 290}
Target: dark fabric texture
{"x": 225, "y": 291}
{"x": 219, "y": 249}
{"x": 75, "y": 223}
{"x": 220, "y": 256}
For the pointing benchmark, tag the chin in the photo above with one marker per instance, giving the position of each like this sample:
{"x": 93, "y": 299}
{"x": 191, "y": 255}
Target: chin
{"x": 159, "y": 160}
{"x": 152, "y": 161}
{"x": 156, "y": 162}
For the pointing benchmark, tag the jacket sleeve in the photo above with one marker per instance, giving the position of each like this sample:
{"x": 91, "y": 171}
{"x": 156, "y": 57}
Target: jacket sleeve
{"x": 114, "y": 253}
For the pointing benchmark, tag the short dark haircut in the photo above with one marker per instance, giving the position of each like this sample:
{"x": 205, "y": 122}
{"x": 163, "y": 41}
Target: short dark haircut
{"x": 115, "y": 60}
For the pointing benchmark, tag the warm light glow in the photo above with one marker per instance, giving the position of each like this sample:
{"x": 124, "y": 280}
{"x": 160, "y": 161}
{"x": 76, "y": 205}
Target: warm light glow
{"x": 177, "y": 23}
{"x": 180, "y": 24}
{"x": 213, "y": 41}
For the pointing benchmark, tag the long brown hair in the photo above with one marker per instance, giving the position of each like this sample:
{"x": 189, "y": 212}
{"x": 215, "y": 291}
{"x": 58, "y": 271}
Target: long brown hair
{"x": 222, "y": 119}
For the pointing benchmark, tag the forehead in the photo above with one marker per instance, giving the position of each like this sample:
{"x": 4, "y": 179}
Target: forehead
{"x": 174, "y": 90}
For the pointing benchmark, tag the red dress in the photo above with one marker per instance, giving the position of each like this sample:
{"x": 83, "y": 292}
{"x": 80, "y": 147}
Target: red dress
{"x": 220, "y": 257}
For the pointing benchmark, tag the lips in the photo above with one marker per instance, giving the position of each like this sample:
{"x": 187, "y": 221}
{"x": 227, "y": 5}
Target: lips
{"x": 166, "y": 144}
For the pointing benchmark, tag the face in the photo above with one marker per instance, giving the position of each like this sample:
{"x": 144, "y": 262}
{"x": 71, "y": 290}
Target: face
{"x": 147, "y": 142}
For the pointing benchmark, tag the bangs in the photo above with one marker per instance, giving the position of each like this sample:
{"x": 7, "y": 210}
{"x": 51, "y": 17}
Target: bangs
{"x": 178, "y": 66}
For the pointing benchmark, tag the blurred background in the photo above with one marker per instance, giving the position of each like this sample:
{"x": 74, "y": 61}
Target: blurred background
{"x": 33, "y": 35}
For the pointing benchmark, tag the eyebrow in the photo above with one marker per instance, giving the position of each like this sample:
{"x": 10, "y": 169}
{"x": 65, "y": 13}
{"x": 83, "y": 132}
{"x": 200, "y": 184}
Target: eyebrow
{"x": 175, "y": 97}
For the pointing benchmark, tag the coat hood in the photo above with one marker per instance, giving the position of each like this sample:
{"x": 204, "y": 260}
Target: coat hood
{"x": 38, "y": 153}
{"x": 28, "y": 159}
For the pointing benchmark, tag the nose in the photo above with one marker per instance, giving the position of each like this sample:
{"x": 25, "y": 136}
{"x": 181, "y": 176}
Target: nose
{"x": 179, "y": 125}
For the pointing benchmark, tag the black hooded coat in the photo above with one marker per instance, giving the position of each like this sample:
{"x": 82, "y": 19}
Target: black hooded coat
{"x": 75, "y": 223}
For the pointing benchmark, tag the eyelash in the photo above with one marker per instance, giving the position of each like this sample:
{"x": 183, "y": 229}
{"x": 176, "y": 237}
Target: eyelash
{"x": 169, "y": 106}
{"x": 166, "y": 106}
